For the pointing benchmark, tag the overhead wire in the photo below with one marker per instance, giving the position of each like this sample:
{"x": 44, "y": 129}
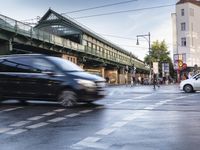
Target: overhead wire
{"x": 97, "y": 7}
{"x": 124, "y": 11}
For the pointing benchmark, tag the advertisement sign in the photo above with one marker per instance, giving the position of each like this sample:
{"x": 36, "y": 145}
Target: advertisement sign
{"x": 155, "y": 67}
{"x": 180, "y": 61}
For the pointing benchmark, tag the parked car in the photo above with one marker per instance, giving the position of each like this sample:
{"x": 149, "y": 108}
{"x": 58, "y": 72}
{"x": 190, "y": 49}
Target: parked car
{"x": 191, "y": 85}
{"x": 41, "y": 77}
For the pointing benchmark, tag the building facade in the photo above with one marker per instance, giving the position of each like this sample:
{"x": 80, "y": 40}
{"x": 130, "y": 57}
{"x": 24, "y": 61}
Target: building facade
{"x": 186, "y": 32}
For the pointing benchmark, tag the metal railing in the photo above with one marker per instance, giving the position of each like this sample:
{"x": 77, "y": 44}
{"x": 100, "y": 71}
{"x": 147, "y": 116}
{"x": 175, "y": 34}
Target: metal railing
{"x": 29, "y": 31}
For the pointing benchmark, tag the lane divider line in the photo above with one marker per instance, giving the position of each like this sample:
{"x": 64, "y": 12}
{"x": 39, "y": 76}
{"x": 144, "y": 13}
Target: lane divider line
{"x": 34, "y": 126}
{"x": 3, "y": 130}
{"x": 56, "y": 119}
{"x": 20, "y": 123}
{"x": 85, "y": 111}
{"x": 90, "y": 142}
{"x": 106, "y": 131}
{"x": 11, "y": 109}
{"x": 17, "y": 131}
{"x": 35, "y": 118}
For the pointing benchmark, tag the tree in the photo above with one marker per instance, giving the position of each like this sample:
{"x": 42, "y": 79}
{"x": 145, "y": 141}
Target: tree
{"x": 159, "y": 53}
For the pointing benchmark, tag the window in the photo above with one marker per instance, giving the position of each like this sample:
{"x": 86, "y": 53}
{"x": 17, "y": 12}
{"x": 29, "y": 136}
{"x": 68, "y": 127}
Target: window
{"x": 42, "y": 64}
{"x": 182, "y": 12}
{"x": 191, "y": 12}
{"x": 89, "y": 44}
{"x": 84, "y": 43}
{"x": 19, "y": 64}
{"x": 183, "y": 41}
{"x": 183, "y": 26}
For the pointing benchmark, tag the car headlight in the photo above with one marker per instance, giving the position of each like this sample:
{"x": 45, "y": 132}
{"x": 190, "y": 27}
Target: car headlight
{"x": 86, "y": 83}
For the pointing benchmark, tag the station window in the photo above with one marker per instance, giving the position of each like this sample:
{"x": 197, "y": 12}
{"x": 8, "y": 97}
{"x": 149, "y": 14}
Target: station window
{"x": 89, "y": 44}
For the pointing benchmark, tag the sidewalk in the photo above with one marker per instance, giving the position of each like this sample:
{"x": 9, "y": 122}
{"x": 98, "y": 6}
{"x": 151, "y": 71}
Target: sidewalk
{"x": 172, "y": 88}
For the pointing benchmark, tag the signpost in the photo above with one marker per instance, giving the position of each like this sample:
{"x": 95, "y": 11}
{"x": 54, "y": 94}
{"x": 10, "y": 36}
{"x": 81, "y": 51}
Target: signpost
{"x": 179, "y": 63}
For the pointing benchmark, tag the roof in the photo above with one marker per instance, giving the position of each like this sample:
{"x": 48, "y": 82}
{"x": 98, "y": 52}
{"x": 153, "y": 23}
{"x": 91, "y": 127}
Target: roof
{"x": 85, "y": 30}
{"x": 189, "y": 1}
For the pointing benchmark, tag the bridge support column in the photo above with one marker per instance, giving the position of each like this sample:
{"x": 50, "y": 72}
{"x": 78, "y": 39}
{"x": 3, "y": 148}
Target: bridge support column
{"x": 123, "y": 76}
{"x": 5, "y": 47}
{"x": 112, "y": 76}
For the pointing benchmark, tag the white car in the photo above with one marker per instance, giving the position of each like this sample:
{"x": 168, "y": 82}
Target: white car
{"x": 191, "y": 85}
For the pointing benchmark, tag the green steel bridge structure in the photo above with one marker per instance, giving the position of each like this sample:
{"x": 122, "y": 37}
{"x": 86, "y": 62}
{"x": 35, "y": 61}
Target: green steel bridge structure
{"x": 57, "y": 35}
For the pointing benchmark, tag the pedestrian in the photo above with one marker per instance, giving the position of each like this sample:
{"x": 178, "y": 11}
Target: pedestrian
{"x": 132, "y": 79}
{"x": 107, "y": 79}
{"x": 155, "y": 81}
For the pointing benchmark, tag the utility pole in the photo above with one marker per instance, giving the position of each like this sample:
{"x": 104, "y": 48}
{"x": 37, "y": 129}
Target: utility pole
{"x": 149, "y": 42}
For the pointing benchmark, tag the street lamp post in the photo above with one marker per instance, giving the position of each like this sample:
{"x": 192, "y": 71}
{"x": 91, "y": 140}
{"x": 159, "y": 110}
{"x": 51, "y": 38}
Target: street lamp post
{"x": 149, "y": 41}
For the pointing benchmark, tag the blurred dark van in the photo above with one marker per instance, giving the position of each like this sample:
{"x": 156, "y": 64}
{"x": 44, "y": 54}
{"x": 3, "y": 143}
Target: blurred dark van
{"x": 40, "y": 77}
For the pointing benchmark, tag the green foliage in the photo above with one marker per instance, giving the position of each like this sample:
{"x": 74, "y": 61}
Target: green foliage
{"x": 159, "y": 53}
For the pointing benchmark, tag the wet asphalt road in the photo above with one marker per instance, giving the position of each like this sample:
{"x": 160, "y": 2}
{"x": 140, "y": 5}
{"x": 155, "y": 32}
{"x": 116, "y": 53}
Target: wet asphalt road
{"x": 129, "y": 118}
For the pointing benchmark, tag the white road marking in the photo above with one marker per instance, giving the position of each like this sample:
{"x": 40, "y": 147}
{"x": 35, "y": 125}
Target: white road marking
{"x": 106, "y": 131}
{"x": 100, "y": 107}
{"x": 72, "y": 115}
{"x": 130, "y": 118}
{"x": 143, "y": 96}
{"x": 49, "y": 114}
{"x": 119, "y": 124}
{"x": 85, "y": 111}
{"x": 169, "y": 100}
{"x": 160, "y": 103}
{"x": 57, "y": 119}
{"x": 17, "y": 131}
{"x": 37, "y": 125}
{"x": 2, "y": 130}
{"x": 182, "y": 97}
{"x": 91, "y": 143}
{"x": 129, "y": 100}
{"x": 35, "y": 118}
{"x": 59, "y": 110}
{"x": 11, "y": 109}
{"x": 20, "y": 123}
{"x": 91, "y": 139}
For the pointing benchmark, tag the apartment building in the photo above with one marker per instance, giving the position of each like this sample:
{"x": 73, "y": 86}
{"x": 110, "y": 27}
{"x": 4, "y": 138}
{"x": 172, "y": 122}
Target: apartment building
{"x": 186, "y": 32}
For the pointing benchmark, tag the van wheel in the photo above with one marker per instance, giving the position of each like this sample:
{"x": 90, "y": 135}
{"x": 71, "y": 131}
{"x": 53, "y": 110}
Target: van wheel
{"x": 67, "y": 98}
{"x": 188, "y": 88}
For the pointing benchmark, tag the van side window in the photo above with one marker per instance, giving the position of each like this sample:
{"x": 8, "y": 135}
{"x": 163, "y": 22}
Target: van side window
{"x": 10, "y": 65}
{"x": 36, "y": 65}
{"x": 25, "y": 64}
{"x": 42, "y": 65}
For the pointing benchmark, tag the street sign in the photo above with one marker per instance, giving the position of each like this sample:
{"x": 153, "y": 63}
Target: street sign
{"x": 165, "y": 67}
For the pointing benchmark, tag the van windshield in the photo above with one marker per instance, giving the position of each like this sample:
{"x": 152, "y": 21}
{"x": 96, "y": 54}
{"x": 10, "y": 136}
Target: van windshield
{"x": 65, "y": 64}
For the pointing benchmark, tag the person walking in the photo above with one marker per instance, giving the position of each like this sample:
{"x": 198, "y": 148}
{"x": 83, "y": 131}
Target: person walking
{"x": 155, "y": 81}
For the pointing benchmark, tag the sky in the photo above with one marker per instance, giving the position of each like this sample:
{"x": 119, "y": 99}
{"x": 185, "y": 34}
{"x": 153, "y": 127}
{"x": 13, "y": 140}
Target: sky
{"x": 126, "y": 25}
